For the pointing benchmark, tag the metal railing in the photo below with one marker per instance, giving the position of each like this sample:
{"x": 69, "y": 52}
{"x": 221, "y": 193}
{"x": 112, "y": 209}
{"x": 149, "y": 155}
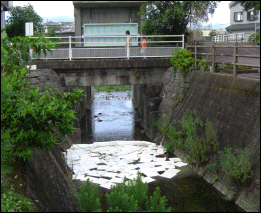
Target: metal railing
{"x": 80, "y": 47}
{"x": 238, "y": 37}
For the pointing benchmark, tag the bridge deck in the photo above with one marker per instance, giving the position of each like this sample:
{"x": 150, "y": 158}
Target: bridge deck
{"x": 101, "y": 63}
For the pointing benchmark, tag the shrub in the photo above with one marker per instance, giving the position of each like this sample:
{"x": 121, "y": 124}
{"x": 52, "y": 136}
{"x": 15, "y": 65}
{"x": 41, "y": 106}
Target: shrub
{"x": 254, "y": 38}
{"x": 119, "y": 201}
{"x": 137, "y": 189}
{"x": 183, "y": 60}
{"x": 203, "y": 65}
{"x": 199, "y": 145}
{"x": 156, "y": 203}
{"x": 13, "y": 202}
{"x": 88, "y": 197}
{"x": 132, "y": 195}
{"x": 236, "y": 168}
{"x": 32, "y": 116}
{"x": 240, "y": 67}
{"x": 169, "y": 148}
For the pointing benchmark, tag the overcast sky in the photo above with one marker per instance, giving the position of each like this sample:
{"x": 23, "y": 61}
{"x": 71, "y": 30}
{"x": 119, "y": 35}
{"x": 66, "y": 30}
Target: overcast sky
{"x": 52, "y": 9}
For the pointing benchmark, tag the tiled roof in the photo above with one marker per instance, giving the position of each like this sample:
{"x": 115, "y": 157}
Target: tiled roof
{"x": 243, "y": 27}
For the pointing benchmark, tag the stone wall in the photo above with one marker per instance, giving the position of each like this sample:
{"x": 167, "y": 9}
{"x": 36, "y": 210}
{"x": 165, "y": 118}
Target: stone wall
{"x": 46, "y": 77}
{"x": 49, "y": 182}
{"x": 232, "y": 104}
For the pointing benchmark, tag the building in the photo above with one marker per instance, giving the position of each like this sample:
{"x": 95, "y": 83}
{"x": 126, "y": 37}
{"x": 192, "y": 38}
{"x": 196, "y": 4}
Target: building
{"x": 4, "y": 7}
{"x": 205, "y": 32}
{"x": 60, "y": 28}
{"x": 243, "y": 22}
{"x": 107, "y": 18}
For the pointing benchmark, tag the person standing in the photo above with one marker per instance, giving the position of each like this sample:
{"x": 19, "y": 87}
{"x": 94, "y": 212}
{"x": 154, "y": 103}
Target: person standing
{"x": 128, "y": 43}
{"x": 144, "y": 46}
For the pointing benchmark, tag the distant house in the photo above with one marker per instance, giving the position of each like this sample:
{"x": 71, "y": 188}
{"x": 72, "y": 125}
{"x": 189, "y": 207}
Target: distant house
{"x": 107, "y": 18}
{"x": 243, "y": 22}
{"x": 4, "y": 7}
{"x": 205, "y": 32}
{"x": 221, "y": 31}
{"x": 60, "y": 28}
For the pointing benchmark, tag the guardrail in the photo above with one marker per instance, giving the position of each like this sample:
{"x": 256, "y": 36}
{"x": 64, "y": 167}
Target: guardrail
{"x": 79, "y": 47}
{"x": 238, "y": 37}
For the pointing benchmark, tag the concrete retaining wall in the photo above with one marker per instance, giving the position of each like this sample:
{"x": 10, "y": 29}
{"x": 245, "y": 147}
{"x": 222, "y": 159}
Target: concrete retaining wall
{"x": 232, "y": 104}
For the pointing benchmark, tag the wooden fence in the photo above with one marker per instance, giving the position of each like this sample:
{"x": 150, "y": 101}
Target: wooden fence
{"x": 225, "y": 53}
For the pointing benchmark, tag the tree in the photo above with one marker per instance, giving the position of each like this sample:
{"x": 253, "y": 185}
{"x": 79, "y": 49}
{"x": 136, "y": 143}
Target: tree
{"x": 18, "y": 17}
{"x": 172, "y": 17}
{"x": 213, "y": 33}
{"x": 248, "y": 5}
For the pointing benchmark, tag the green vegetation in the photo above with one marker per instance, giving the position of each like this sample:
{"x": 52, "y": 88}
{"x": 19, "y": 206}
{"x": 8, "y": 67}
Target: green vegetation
{"x": 172, "y": 17}
{"x": 237, "y": 168}
{"x": 179, "y": 99}
{"x": 183, "y": 60}
{"x": 254, "y": 38}
{"x": 156, "y": 203}
{"x": 18, "y": 17}
{"x": 129, "y": 196}
{"x": 239, "y": 67}
{"x": 88, "y": 198}
{"x": 204, "y": 65}
{"x": 113, "y": 88}
{"x": 30, "y": 117}
{"x": 200, "y": 141}
{"x": 248, "y": 5}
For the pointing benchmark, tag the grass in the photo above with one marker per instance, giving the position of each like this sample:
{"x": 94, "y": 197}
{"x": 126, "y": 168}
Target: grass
{"x": 113, "y": 88}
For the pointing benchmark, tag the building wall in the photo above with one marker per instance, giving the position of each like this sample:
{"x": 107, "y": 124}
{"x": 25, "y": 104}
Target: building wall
{"x": 85, "y": 14}
{"x": 238, "y": 8}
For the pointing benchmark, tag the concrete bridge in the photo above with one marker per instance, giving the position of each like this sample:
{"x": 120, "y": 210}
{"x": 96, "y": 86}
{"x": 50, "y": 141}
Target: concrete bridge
{"x": 102, "y": 72}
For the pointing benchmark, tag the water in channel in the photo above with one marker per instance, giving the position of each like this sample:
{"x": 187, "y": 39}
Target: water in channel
{"x": 112, "y": 117}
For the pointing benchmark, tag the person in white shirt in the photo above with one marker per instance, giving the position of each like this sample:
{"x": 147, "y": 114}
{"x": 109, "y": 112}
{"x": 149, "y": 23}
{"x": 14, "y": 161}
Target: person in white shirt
{"x": 128, "y": 43}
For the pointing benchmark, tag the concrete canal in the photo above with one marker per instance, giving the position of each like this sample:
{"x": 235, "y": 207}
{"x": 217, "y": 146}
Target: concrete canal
{"x": 112, "y": 118}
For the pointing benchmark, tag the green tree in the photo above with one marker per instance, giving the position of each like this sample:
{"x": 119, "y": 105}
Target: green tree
{"x": 213, "y": 33}
{"x": 172, "y": 17}
{"x": 18, "y": 17}
{"x": 248, "y": 5}
{"x": 52, "y": 32}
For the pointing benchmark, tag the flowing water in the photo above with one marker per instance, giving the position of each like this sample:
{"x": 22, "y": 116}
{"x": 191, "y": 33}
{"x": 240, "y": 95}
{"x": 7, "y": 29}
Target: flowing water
{"x": 112, "y": 117}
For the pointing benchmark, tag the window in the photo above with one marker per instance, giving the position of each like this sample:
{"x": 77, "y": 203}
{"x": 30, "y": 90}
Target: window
{"x": 238, "y": 16}
{"x": 251, "y": 16}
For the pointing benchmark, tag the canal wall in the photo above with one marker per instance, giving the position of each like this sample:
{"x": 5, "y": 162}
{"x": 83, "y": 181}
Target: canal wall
{"x": 232, "y": 104}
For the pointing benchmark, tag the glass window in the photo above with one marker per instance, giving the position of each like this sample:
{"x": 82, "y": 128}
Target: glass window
{"x": 251, "y": 16}
{"x": 238, "y": 16}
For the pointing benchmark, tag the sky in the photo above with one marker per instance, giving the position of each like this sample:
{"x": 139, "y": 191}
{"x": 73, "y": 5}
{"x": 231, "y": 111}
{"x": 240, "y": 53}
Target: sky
{"x": 57, "y": 12}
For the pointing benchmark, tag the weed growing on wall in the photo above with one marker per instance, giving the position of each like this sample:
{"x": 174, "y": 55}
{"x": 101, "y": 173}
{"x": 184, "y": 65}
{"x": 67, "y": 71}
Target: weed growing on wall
{"x": 204, "y": 65}
{"x": 236, "y": 167}
{"x": 180, "y": 98}
{"x": 200, "y": 140}
{"x": 197, "y": 138}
